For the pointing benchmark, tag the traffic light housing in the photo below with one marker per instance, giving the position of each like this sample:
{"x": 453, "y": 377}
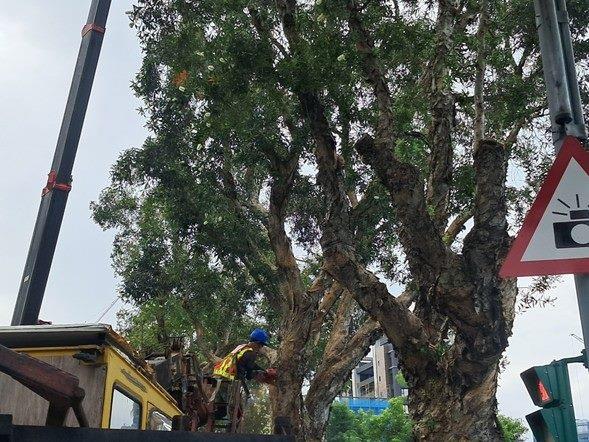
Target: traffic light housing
{"x": 549, "y": 388}
{"x": 542, "y": 384}
{"x": 547, "y": 425}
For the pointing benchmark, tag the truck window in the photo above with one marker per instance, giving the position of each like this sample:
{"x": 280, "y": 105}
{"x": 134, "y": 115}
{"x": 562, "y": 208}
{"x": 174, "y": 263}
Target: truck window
{"x": 159, "y": 421}
{"x": 125, "y": 412}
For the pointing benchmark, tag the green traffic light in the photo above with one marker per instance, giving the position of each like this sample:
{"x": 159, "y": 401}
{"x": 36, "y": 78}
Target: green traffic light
{"x": 549, "y": 388}
{"x": 546, "y": 425}
{"x": 542, "y": 384}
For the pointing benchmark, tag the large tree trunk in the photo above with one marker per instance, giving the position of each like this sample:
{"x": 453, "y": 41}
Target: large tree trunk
{"x": 443, "y": 410}
{"x": 316, "y": 423}
{"x": 288, "y": 399}
{"x": 342, "y": 353}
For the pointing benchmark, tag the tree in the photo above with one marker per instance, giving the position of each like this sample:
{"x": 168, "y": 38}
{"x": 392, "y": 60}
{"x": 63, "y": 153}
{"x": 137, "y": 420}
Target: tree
{"x": 392, "y": 425}
{"x": 257, "y": 417}
{"x": 192, "y": 233}
{"x": 373, "y": 135}
{"x": 512, "y": 429}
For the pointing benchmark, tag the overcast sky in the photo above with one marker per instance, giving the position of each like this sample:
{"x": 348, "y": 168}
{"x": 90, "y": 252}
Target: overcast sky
{"x": 39, "y": 42}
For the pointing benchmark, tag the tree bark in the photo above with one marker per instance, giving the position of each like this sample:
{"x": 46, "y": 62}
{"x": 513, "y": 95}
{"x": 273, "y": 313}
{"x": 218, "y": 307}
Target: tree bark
{"x": 439, "y": 91}
{"x": 342, "y": 353}
{"x": 444, "y": 411}
{"x": 451, "y": 345}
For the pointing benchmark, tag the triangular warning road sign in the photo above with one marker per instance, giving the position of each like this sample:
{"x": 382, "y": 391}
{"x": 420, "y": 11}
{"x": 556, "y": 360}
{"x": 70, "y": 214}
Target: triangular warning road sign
{"x": 554, "y": 237}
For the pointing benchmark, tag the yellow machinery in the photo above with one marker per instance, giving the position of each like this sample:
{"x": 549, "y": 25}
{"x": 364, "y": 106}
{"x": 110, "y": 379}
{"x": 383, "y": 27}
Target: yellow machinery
{"x": 120, "y": 388}
{"x": 85, "y": 382}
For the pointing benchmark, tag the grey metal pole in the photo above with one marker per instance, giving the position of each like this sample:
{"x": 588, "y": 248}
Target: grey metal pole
{"x": 577, "y": 126}
{"x": 557, "y": 88}
{"x": 55, "y": 194}
{"x": 566, "y": 113}
{"x": 582, "y": 287}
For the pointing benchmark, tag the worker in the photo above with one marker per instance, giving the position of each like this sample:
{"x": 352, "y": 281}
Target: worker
{"x": 240, "y": 365}
{"x": 241, "y": 362}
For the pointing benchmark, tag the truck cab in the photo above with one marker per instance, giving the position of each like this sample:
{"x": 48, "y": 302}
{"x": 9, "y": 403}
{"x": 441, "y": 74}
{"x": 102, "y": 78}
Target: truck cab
{"x": 121, "y": 390}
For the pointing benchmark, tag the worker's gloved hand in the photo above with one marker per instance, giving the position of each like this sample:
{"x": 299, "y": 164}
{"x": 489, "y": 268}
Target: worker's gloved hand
{"x": 267, "y": 377}
{"x": 259, "y": 375}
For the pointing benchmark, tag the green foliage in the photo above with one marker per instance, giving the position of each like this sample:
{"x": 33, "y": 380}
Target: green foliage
{"x": 258, "y": 417}
{"x": 512, "y": 429}
{"x": 392, "y": 425}
{"x": 219, "y": 87}
{"x": 400, "y": 379}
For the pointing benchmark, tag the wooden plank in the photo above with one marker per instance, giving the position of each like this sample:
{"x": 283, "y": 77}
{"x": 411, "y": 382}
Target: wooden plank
{"x": 29, "y": 408}
{"x": 46, "y": 380}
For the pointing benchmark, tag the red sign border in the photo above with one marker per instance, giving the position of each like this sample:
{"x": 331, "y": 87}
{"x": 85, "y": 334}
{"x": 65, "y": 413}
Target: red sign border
{"x": 513, "y": 264}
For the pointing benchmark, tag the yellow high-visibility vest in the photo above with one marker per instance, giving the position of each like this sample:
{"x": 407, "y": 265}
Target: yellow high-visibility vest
{"x": 227, "y": 367}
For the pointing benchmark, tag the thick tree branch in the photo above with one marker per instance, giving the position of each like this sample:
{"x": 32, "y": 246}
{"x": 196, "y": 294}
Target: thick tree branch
{"x": 439, "y": 90}
{"x": 481, "y": 66}
{"x": 402, "y": 327}
{"x": 490, "y": 209}
{"x": 419, "y": 236}
{"x": 330, "y": 297}
{"x": 284, "y": 174}
{"x": 423, "y": 245}
{"x": 230, "y": 191}
{"x": 456, "y": 226}
{"x": 374, "y": 75}
{"x": 336, "y": 367}
{"x": 342, "y": 353}
{"x": 407, "y": 298}
{"x": 264, "y": 32}
{"x": 486, "y": 246}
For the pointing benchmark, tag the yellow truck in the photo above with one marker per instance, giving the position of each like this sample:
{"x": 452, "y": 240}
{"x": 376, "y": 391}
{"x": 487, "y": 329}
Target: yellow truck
{"x": 85, "y": 382}
{"x": 119, "y": 386}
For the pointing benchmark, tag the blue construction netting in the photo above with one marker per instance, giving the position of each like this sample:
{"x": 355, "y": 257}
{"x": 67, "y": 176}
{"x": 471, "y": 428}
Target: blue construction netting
{"x": 367, "y": 404}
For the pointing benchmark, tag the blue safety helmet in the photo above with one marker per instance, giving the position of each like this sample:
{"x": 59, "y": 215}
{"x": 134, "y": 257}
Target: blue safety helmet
{"x": 260, "y": 336}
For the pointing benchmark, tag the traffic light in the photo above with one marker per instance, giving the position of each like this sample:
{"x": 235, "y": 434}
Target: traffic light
{"x": 542, "y": 384}
{"x": 549, "y": 388}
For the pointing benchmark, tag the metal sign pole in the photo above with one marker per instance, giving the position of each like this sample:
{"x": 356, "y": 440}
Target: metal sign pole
{"x": 564, "y": 101}
{"x": 576, "y": 127}
{"x": 54, "y": 196}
